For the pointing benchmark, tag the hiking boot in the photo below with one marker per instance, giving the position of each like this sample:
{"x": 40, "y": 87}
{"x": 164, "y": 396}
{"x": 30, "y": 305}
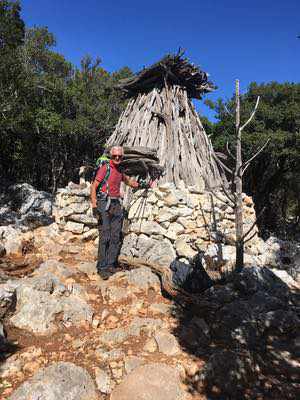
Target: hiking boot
{"x": 106, "y": 272}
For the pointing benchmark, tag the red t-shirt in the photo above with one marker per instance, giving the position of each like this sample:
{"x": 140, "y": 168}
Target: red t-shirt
{"x": 113, "y": 182}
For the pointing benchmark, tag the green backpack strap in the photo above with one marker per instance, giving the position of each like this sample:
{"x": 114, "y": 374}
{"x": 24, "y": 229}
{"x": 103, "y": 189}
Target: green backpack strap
{"x": 105, "y": 179}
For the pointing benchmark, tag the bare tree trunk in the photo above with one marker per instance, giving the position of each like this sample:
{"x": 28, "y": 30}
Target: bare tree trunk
{"x": 235, "y": 194}
{"x": 239, "y": 263}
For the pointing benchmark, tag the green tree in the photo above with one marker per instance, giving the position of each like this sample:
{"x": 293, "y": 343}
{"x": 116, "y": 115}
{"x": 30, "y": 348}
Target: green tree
{"x": 12, "y": 32}
{"x": 274, "y": 177}
{"x": 55, "y": 117}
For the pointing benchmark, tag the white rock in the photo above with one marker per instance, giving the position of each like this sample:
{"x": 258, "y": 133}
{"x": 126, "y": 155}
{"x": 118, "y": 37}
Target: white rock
{"x": 166, "y": 214}
{"x": 91, "y": 234}
{"x": 286, "y": 278}
{"x": 183, "y": 249}
{"x": 173, "y": 231}
{"x": 147, "y": 227}
{"x": 74, "y": 227}
{"x": 167, "y": 343}
{"x": 103, "y": 381}
{"x": 139, "y": 209}
{"x": 166, "y": 187}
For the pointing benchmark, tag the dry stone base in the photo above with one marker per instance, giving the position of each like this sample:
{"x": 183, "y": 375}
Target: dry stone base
{"x": 179, "y": 222}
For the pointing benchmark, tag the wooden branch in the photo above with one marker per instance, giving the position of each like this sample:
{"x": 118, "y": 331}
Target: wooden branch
{"x": 251, "y": 116}
{"x": 251, "y": 237}
{"x": 257, "y": 153}
{"x": 178, "y": 294}
{"x": 229, "y": 152}
{"x": 233, "y": 200}
{"x": 245, "y": 169}
{"x": 221, "y": 163}
{"x": 228, "y": 112}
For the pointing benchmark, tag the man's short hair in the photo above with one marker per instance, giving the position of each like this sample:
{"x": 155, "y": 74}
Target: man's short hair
{"x": 116, "y": 149}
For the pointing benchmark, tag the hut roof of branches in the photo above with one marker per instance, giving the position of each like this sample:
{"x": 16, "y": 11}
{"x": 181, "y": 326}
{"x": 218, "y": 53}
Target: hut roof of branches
{"x": 174, "y": 69}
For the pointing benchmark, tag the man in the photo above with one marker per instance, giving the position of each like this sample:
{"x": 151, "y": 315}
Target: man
{"x": 106, "y": 204}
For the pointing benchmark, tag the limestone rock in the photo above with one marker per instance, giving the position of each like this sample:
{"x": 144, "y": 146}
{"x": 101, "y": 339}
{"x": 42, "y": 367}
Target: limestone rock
{"x": 54, "y": 267}
{"x": 157, "y": 251}
{"x": 114, "y": 336}
{"x": 11, "y": 240}
{"x": 62, "y": 380}
{"x": 145, "y": 325}
{"x": 7, "y": 298}
{"x": 173, "y": 231}
{"x": 286, "y": 278}
{"x": 147, "y": 227}
{"x": 109, "y": 355}
{"x": 79, "y": 208}
{"x": 132, "y": 362}
{"x": 74, "y": 227}
{"x": 139, "y": 209}
{"x": 128, "y": 245}
{"x": 115, "y": 293}
{"x": 167, "y": 343}
{"x": 160, "y": 308}
{"x": 166, "y": 215}
{"x": 166, "y": 187}
{"x": 2, "y": 250}
{"x": 40, "y": 299}
{"x": 88, "y": 268}
{"x": 272, "y": 252}
{"x": 183, "y": 249}
{"x": 91, "y": 234}
{"x": 143, "y": 279}
{"x": 199, "y": 187}
{"x": 27, "y": 207}
{"x": 152, "y": 381}
{"x": 150, "y": 345}
{"x": 81, "y": 219}
{"x": 103, "y": 381}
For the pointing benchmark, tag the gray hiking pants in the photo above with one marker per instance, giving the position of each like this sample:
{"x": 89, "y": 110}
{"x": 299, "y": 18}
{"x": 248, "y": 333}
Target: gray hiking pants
{"x": 110, "y": 227}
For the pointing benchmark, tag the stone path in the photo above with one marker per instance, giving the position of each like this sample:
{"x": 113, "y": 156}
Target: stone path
{"x": 121, "y": 339}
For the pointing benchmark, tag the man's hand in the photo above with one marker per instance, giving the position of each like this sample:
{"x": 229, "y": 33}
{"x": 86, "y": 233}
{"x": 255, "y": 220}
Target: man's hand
{"x": 143, "y": 185}
{"x": 95, "y": 212}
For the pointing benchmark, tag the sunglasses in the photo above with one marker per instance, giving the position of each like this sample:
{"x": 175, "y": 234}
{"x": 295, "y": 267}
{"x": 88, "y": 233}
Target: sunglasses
{"x": 117, "y": 157}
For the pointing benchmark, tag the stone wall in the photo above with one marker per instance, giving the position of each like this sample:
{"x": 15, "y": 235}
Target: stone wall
{"x": 166, "y": 223}
{"x": 179, "y": 223}
{"x": 73, "y": 213}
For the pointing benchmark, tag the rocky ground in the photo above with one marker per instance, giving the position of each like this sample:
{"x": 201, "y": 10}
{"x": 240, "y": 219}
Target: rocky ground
{"x": 70, "y": 335}
{"x": 67, "y": 334}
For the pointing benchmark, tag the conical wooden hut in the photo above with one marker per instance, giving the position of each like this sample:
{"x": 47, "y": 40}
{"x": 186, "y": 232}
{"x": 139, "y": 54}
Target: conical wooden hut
{"x": 160, "y": 116}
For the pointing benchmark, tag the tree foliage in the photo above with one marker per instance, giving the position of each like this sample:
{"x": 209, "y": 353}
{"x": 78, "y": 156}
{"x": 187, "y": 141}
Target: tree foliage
{"x": 54, "y": 116}
{"x": 274, "y": 177}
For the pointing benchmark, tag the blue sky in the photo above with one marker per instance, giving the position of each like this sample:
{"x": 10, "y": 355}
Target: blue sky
{"x": 250, "y": 40}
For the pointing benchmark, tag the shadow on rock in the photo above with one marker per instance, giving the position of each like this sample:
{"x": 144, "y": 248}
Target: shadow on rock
{"x": 246, "y": 330}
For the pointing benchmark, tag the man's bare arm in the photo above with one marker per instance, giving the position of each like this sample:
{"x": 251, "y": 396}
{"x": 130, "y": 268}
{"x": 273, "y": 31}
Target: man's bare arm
{"x": 130, "y": 181}
{"x": 94, "y": 186}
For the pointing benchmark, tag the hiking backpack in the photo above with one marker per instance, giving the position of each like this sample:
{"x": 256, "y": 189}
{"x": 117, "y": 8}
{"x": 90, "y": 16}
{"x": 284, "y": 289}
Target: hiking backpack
{"x": 103, "y": 160}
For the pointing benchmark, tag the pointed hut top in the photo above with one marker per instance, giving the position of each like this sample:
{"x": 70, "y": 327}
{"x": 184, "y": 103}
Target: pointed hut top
{"x": 173, "y": 69}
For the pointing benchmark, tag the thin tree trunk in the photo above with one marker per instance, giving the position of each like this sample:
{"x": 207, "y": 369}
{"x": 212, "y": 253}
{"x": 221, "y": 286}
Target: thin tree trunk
{"x": 238, "y": 186}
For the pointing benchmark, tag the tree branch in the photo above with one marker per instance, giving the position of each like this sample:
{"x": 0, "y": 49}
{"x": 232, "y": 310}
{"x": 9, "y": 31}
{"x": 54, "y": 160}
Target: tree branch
{"x": 251, "y": 237}
{"x": 221, "y": 163}
{"x": 256, "y": 154}
{"x": 251, "y": 116}
{"x": 229, "y": 152}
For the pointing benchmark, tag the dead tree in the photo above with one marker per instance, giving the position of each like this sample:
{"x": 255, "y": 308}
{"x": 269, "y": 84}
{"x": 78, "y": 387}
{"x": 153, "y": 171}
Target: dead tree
{"x": 234, "y": 191}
